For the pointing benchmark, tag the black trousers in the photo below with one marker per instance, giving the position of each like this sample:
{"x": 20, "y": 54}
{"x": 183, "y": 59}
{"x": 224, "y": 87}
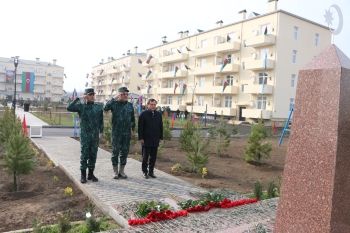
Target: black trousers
{"x": 151, "y": 153}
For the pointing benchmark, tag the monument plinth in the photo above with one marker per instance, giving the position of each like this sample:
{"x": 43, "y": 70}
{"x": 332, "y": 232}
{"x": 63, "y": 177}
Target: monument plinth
{"x": 315, "y": 195}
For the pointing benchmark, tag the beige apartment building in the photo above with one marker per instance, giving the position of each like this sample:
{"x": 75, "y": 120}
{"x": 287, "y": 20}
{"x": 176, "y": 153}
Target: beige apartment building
{"x": 48, "y": 79}
{"x": 268, "y": 48}
{"x": 108, "y": 77}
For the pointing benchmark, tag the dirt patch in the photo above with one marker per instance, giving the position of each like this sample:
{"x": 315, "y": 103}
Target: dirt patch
{"x": 228, "y": 171}
{"x": 39, "y": 196}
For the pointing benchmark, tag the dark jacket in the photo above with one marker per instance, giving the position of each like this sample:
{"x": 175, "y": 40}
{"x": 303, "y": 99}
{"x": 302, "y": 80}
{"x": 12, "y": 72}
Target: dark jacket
{"x": 150, "y": 129}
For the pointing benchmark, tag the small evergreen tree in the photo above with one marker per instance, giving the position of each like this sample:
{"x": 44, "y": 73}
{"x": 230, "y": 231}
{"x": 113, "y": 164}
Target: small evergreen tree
{"x": 63, "y": 222}
{"x": 160, "y": 151}
{"x": 271, "y": 189}
{"x": 258, "y": 189}
{"x": 221, "y": 136}
{"x": 257, "y": 149}
{"x": 166, "y": 130}
{"x": 9, "y": 124}
{"x": 92, "y": 224}
{"x": 19, "y": 158}
{"x": 186, "y": 134}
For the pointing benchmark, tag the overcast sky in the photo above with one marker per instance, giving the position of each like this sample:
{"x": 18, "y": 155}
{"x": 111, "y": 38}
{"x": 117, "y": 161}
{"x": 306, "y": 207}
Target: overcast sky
{"x": 80, "y": 33}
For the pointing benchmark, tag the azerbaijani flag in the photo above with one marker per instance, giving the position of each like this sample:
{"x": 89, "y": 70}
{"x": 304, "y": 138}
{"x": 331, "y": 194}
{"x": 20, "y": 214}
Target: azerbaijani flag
{"x": 101, "y": 71}
{"x": 187, "y": 68}
{"x": 175, "y": 71}
{"x": 138, "y": 88}
{"x": 112, "y": 91}
{"x": 149, "y": 59}
{"x": 139, "y": 108}
{"x": 92, "y": 73}
{"x": 265, "y": 32}
{"x": 27, "y": 81}
{"x": 178, "y": 51}
{"x": 175, "y": 87}
{"x": 148, "y": 73}
{"x": 149, "y": 87}
{"x": 114, "y": 67}
{"x": 139, "y": 61}
{"x": 224, "y": 64}
{"x": 65, "y": 75}
{"x": 228, "y": 38}
{"x": 113, "y": 79}
{"x": 87, "y": 75}
{"x": 138, "y": 74}
{"x": 263, "y": 87}
{"x": 184, "y": 88}
{"x": 188, "y": 49}
{"x": 224, "y": 87}
{"x": 265, "y": 60}
{"x": 74, "y": 95}
{"x": 86, "y": 84}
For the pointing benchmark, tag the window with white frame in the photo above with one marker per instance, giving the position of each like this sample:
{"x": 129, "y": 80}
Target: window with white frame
{"x": 20, "y": 69}
{"x": 201, "y": 100}
{"x": 48, "y": 91}
{"x": 202, "y": 82}
{"x": 179, "y": 100}
{"x": 261, "y": 103}
{"x": 181, "y": 83}
{"x": 9, "y": 88}
{"x": 40, "y": 71}
{"x": 48, "y": 83}
{"x": 228, "y": 101}
{"x": 128, "y": 63}
{"x": 229, "y": 80}
{"x": 31, "y": 69}
{"x": 294, "y": 59}
{"x": 182, "y": 66}
{"x": 183, "y": 48}
{"x": 171, "y": 67}
{"x": 296, "y": 33}
{"x": 212, "y": 101}
{"x": 242, "y": 86}
{"x": 316, "y": 39}
{"x": 262, "y": 78}
{"x": 171, "y": 83}
{"x": 263, "y": 28}
{"x": 57, "y": 72}
{"x": 170, "y": 100}
{"x": 264, "y": 53}
{"x": 1, "y": 67}
{"x": 230, "y": 58}
{"x": 203, "y": 62}
{"x": 291, "y": 102}
{"x": 172, "y": 51}
{"x": 293, "y": 81}
{"x": 203, "y": 43}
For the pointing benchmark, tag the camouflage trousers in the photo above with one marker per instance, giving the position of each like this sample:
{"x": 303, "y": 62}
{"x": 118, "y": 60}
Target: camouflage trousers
{"x": 120, "y": 148}
{"x": 88, "y": 154}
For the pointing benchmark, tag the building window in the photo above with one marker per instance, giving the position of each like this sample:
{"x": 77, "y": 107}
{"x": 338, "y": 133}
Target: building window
{"x": 229, "y": 80}
{"x": 183, "y": 48}
{"x": 170, "y": 100}
{"x": 244, "y": 44}
{"x": 293, "y": 81}
{"x": 291, "y": 102}
{"x": 171, "y": 67}
{"x": 201, "y": 82}
{"x": 262, "y": 78}
{"x": 181, "y": 83}
{"x": 203, "y": 43}
{"x": 179, "y": 100}
{"x": 20, "y": 69}
{"x": 230, "y": 58}
{"x": 1, "y": 67}
{"x": 201, "y": 100}
{"x": 294, "y": 57}
{"x": 172, "y": 51}
{"x": 31, "y": 69}
{"x": 57, "y": 72}
{"x": 295, "y": 33}
{"x": 171, "y": 83}
{"x": 203, "y": 62}
{"x": 128, "y": 63}
{"x": 264, "y": 53}
{"x": 316, "y": 39}
{"x": 243, "y": 65}
{"x": 48, "y": 91}
{"x": 262, "y": 103}
{"x": 228, "y": 101}
{"x": 9, "y": 88}
{"x": 182, "y": 66}
{"x": 48, "y": 83}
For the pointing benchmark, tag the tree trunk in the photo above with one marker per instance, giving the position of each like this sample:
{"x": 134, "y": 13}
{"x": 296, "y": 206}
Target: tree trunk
{"x": 14, "y": 181}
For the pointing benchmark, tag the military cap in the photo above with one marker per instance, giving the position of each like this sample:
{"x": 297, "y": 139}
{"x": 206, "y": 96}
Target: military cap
{"x": 123, "y": 89}
{"x": 89, "y": 90}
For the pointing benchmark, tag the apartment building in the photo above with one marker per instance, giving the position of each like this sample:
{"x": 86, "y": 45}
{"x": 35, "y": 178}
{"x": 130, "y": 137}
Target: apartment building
{"x": 126, "y": 71}
{"x": 48, "y": 79}
{"x": 263, "y": 54}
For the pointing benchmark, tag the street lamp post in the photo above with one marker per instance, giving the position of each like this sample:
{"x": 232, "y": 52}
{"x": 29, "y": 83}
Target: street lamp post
{"x": 15, "y": 62}
{"x": 193, "y": 89}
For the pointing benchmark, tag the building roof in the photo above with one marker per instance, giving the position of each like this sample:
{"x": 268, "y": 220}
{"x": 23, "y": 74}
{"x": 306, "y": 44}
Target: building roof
{"x": 242, "y": 11}
{"x": 247, "y": 19}
{"x": 29, "y": 62}
{"x": 115, "y": 59}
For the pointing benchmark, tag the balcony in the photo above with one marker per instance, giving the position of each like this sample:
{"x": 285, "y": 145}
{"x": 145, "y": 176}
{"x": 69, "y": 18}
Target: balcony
{"x": 41, "y": 91}
{"x": 174, "y": 58}
{"x": 260, "y": 40}
{"x": 218, "y": 48}
{"x": 42, "y": 74}
{"x": 170, "y": 74}
{"x": 211, "y": 110}
{"x": 2, "y": 88}
{"x": 57, "y": 92}
{"x": 56, "y": 83}
{"x": 112, "y": 71}
{"x": 151, "y": 63}
{"x": 259, "y": 64}
{"x": 216, "y": 90}
{"x": 125, "y": 69}
{"x": 229, "y": 68}
{"x": 38, "y": 81}
{"x": 164, "y": 91}
{"x": 257, "y": 89}
{"x": 59, "y": 75}
{"x": 150, "y": 77}
{"x": 144, "y": 91}
{"x": 255, "y": 113}
{"x": 126, "y": 80}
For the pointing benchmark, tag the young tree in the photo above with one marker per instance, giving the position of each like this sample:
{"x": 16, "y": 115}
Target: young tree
{"x": 107, "y": 133}
{"x": 166, "y": 130}
{"x": 186, "y": 134}
{"x": 257, "y": 149}
{"x": 221, "y": 136}
{"x": 19, "y": 157}
{"x": 9, "y": 124}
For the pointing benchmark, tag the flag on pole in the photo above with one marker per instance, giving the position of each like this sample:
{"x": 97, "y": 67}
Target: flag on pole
{"x": 62, "y": 82}
{"x": 263, "y": 87}
{"x": 113, "y": 79}
{"x": 224, "y": 86}
{"x": 184, "y": 88}
{"x": 265, "y": 60}
{"x": 149, "y": 59}
{"x": 87, "y": 75}
{"x": 175, "y": 71}
{"x": 76, "y": 127}
{"x": 131, "y": 100}
{"x": 24, "y": 123}
{"x": 64, "y": 92}
{"x": 27, "y": 82}
{"x": 224, "y": 64}
{"x": 148, "y": 88}
{"x": 174, "y": 116}
{"x": 124, "y": 65}
{"x": 175, "y": 87}
{"x": 101, "y": 71}
{"x": 274, "y": 128}
{"x": 65, "y": 76}
{"x": 228, "y": 38}
{"x": 139, "y": 75}
{"x": 172, "y": 121}
{"x": 74, "y": 95}
{"x": 101, "y": 91}
{"x": 86, "y": 84}
{"x": 178, "y": 51}
{"x": 139, "y": 61}
{"x": 148, "y": 73}
{"x": 188, "y": 50}
{"x": 187, "y": 68}
{"x": 112, "y": 91}
{"x": 114, "y": 67}
{"x": 138, "y": 88}
{"x": 265, "y": 32}
{"x": 139, "y": 108}
{"x": 92, "y": 73}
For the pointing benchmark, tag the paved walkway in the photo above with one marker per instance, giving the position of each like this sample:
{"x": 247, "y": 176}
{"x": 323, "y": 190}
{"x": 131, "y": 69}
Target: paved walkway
{"x": 65, "y": 152}
{"x": 30, "y": 118}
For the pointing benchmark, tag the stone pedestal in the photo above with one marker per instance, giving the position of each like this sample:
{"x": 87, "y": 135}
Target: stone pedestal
{"x": 315, "y": 195}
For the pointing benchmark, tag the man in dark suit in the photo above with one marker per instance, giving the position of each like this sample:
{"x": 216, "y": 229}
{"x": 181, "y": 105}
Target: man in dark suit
{"x": 150, "y": 131}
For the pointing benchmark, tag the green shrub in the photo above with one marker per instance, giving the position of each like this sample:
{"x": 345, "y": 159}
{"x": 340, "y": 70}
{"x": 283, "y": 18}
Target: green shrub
{"x": 186, "y": 134}
{"x": 9, "y": 124}
{"x": 166, "y": 130}
{"x": 258, "y": 189}
{"x": 92, "y": 224}
{"x": 271, "y": 189}
{"x": 63, "y": 222}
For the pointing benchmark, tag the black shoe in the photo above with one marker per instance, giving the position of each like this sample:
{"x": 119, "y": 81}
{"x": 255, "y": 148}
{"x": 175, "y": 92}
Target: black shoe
{"x": 145, "y": 175}
{"x": 91, "y": 176}
{"x": 83, "y": 176}
{"x": 152, "y": 175}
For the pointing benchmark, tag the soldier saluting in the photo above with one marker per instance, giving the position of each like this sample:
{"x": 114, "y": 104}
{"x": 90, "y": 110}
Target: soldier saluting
{"x": 91, "y": 129}
{"x": 123, "y": 126}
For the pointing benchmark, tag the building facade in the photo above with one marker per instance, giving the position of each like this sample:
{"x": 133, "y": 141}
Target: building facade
{"x": 126, "y": 71}
{"x": 48, "y": 79}
{"x": 263, "y": 53}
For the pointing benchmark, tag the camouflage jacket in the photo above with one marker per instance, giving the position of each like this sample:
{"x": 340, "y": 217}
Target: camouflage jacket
{"x": 123, "y": 118}
{"x": 91, "y": 118}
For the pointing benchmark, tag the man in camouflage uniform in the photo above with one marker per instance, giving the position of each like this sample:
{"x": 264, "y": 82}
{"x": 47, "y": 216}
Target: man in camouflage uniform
{"x": 123, "y": 126}
{"x": 91, "y": 129}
